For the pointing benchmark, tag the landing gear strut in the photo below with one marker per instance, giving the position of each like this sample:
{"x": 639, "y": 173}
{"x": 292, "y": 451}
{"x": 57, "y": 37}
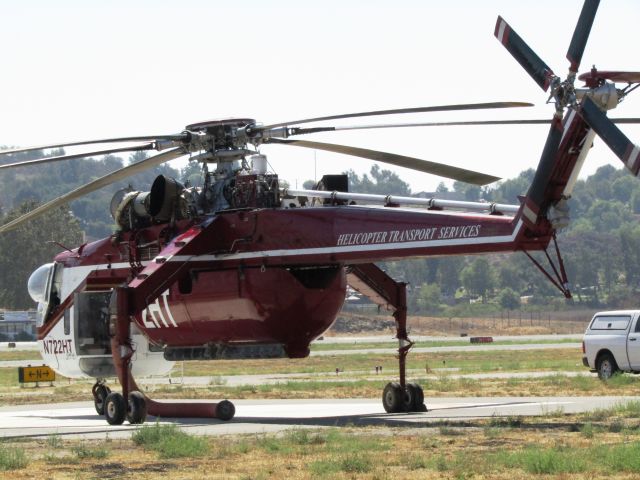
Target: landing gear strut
{"x": 132, "y": 404}
{"x": 371, "y": 281}
{"x": 100, "y": 392}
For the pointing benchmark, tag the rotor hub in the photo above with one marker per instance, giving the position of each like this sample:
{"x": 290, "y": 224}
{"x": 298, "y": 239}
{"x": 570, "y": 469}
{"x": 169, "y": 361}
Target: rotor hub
{"x": 223, "y": 137}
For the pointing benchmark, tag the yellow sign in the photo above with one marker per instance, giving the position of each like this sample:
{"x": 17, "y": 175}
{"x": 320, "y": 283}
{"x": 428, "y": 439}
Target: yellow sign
{"x": 36, "y": 374}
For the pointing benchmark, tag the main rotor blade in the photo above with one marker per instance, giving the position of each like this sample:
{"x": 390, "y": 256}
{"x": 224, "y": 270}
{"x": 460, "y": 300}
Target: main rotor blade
{"x": 617, "y": 141}
{"x": 176, "y": 138}
{"x": 442, "y": 170}
{"x": 441, "y": 108}
{"x": 95, "y": 185}
{"x": 139, "y": 148}
{"x": 525, "y": 56}
{"x": 581, "y": 33}
{"x": 306, "y": 131}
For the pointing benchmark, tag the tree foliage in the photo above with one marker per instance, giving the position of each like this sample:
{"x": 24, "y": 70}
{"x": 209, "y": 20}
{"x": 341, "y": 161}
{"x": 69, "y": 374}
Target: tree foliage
{"x": 33, "y": 244}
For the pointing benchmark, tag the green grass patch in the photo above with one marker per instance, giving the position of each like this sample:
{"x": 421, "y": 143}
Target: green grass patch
{"x": 549, "y": 461}
{"x": 12, "y": 458}
{"x": 54, "y": 441}
{"x": 629, "y": 409}
{"x": 170, "y": 442}
{"x": 84, "y": 452}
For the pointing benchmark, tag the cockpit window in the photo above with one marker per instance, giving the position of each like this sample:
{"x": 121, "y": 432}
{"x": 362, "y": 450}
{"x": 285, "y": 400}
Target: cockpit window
{"x": 37, "y": 284}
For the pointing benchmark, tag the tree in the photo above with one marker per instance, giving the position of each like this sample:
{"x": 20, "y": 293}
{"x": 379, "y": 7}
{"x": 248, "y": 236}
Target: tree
{"x": 26, "y": 248}
{"x": 607, "y": 215}
{"x": 429, "y": 298}
{"x": 470, "y": 192}
{"x": 509, "y": 299}
{"x": 630, "y": 249}
{"x": 477, "y": 278}
{"x": 442, "y": 188}
{"x": 448, "y": 274}
{"x": 309, "y": 184}
{"x": 191, "y": 173}
{"x": 382, "y": 182}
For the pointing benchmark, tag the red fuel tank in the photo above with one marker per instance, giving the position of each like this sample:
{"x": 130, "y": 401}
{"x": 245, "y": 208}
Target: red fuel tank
{"x": 288, "y": 306}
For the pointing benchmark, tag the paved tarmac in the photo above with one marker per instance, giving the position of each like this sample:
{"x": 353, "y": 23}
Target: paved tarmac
{"x": 79, "y": 420}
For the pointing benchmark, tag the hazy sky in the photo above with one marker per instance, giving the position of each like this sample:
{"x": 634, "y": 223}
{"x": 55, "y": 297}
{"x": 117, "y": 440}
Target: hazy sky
{"x": 80, "y": 70}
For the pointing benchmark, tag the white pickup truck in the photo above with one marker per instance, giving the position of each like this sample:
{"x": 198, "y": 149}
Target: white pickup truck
{"x": 612, "y": 343}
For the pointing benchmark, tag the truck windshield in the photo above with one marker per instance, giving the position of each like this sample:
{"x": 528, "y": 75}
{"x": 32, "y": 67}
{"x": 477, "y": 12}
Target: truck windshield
{"x": 611, "y": 322}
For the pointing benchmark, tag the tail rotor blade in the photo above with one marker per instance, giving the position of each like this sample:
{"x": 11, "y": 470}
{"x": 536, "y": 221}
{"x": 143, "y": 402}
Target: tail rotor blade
{"x": 535, "y": 200}
{"x": 581, "y": 33}
{"x": 440, "y": 169}
{"x": 525, "y": 56}
{"x": 617, "y": 141}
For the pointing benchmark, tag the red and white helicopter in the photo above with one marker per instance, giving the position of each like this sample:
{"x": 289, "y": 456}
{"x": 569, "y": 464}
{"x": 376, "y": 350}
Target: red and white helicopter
{"x": 241, "y": 268}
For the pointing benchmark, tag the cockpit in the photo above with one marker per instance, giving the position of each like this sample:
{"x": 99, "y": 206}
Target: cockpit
{"x": 42, "y": 289}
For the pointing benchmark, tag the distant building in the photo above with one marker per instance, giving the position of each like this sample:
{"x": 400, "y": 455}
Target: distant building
{"x": 15, "y": 323}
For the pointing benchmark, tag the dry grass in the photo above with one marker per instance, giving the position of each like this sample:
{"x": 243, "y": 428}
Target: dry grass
{"x": 358, "y": 380}
{"x": 551, "y": 447}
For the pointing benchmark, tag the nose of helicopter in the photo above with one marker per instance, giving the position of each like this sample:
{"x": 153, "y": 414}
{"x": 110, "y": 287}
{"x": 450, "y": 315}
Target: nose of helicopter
{"x": 37, "y": 283}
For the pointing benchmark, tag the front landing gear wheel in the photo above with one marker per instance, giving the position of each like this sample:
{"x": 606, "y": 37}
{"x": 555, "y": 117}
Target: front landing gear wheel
{"x": 136, "y": 408}
{"x": 225, "y": 410}
{"x": 115, "y": 408}
{"x": 100, "y": 392}
{"x": 392, "y": 398}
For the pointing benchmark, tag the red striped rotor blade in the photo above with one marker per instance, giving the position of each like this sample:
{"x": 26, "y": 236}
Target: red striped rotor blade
{"x": 617, "y": 141}
{"x": 581, "y": 33}
{"x": 525, "y": 56}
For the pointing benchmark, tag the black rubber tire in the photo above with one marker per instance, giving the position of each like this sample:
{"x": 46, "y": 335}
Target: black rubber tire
{"x": 115, "y": 408}
{"x": 607, "y": 366}
{"x": 225, "y": 410}
{"x": 418, "y": 397}
{"x": 408, "y": 399}
{"x": 392, "y": 398}
{"x": 100, "y": 393}
{"x": 136, "y": 408}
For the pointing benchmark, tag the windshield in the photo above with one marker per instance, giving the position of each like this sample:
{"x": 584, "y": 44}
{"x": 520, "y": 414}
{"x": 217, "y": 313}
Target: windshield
{"x": 38, "y": 283}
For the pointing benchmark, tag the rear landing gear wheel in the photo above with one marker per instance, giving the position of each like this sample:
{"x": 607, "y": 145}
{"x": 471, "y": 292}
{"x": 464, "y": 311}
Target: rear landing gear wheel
{"x": 418, "y": 398}
{"x": 136, "y": 408}
{"x": 115, "y": 408}
{"x": 392, "y": 398}
{"x": 100, "y": 392}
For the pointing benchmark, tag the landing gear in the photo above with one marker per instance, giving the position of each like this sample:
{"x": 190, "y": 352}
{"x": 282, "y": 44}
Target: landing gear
{"x": 392, "y": 398}
{"x": 371, "y": 281}
{"x": 136, "y": 408}
{"x": 132, "y": 404}
{"x": 115, "y": 408}
{"x": 100, "y": 392}
{"x": 396, "y": 399}
{"x": 416, "y": 403}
